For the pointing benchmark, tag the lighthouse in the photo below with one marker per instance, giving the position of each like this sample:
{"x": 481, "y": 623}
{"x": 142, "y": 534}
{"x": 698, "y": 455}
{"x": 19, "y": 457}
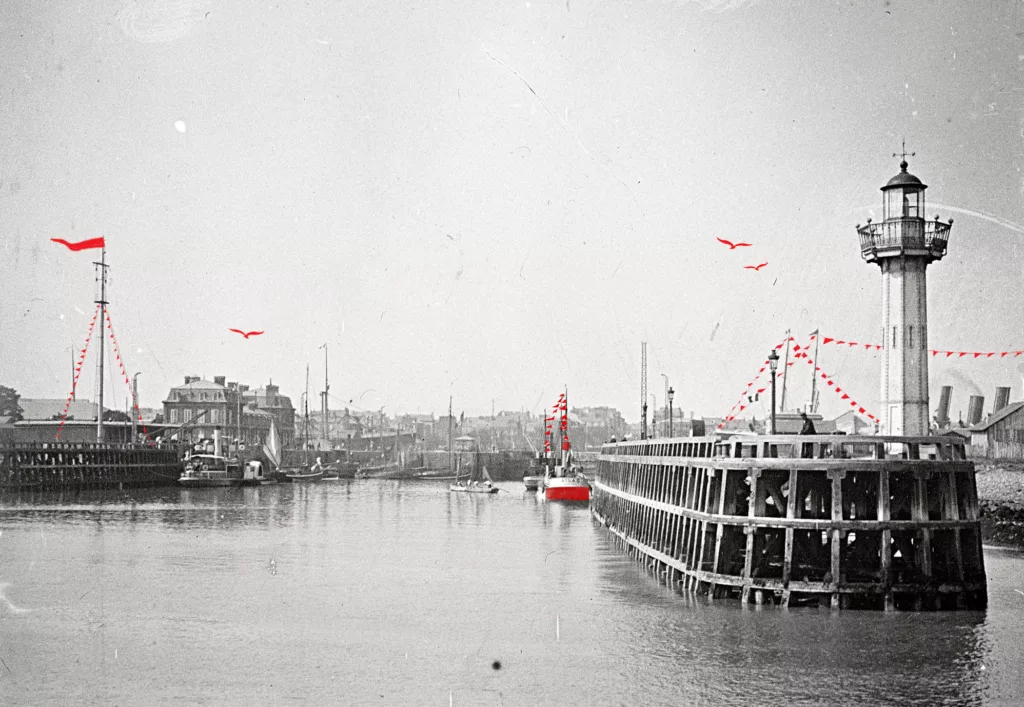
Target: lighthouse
{"x": 903, "y": 245}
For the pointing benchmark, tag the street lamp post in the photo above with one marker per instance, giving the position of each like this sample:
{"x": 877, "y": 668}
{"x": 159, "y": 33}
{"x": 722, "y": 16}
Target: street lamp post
{"x": 773, "y": 363}
{"x": 671, "y": 416}
{"x": 654, "y": 416}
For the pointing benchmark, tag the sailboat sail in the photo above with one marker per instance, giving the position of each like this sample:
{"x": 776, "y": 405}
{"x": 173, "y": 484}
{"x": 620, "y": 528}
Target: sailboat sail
{"x": 272, "y": 447}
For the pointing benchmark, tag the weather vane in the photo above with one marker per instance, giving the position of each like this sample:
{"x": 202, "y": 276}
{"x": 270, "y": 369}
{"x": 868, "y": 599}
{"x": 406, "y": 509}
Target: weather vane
{"x": 903, "y": 155}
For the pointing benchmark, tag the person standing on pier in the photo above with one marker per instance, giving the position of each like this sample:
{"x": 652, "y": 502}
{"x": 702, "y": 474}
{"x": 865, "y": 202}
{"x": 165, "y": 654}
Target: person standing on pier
{"x": 808, "y": 428}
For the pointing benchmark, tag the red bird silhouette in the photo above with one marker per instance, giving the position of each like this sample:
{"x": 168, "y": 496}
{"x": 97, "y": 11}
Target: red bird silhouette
{"x": 754, "y": 267}
{"x": 732, "y": 246}
{"x": 246, "y": 334}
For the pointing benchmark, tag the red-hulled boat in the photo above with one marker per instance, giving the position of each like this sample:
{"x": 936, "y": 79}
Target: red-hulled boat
{"x": 572, "y": 487}
{"x": 565, "y": 482}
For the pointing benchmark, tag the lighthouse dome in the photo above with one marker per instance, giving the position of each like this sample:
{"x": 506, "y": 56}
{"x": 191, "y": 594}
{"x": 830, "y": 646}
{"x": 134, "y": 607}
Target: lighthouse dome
{"x": 904, "y": 179}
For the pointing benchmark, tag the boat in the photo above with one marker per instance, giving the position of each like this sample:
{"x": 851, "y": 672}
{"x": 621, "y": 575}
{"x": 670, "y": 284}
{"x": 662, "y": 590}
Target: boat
{"x": 210, "y": 470}
{"x": 532, "y": 481}
{"x": 306, "y": 473}
{"x": 272, "y": 450}
{"x": 476, "y": 483}
{"x": 565, "y": 481}
{"x": 341, "y": 470}
{"x": 252, "y": 474}
{"x": 314, "y": 473}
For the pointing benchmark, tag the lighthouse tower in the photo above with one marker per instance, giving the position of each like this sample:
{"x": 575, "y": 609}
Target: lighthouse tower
{"x": 903, "y": 245}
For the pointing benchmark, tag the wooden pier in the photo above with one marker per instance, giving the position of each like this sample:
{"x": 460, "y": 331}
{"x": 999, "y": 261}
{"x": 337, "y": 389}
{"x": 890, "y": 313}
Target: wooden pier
{"x": 86, "y": 466}
{"x": 840, "y": 521}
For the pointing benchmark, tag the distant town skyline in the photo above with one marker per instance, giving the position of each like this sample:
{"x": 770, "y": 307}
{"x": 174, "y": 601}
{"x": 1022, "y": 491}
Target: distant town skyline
{"x": 494, "y": 201}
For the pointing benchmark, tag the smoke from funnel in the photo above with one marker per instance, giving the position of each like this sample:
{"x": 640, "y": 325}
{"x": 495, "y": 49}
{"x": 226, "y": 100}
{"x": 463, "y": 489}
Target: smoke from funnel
{"x": 959, "y": 377}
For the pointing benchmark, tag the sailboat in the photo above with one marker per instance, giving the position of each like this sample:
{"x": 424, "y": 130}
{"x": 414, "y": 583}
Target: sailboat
{"x": 306, "y": 473}
{"x": 272, "y": 451}
{"x": 565, "y": 482}
{"x": 479, "y": 480}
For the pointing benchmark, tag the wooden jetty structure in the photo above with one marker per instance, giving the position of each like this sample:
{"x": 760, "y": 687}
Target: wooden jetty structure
{"x": 57, "y": 466}
{"x": 860, "y": 522}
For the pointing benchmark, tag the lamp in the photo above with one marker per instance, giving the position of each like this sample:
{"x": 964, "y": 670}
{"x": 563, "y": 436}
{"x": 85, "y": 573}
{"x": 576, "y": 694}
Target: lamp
{"x": 773, "y": 364}
{"x": 671, "y": 416}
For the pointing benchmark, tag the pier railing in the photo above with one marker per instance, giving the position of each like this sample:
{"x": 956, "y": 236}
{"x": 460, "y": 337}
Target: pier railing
{"x": 851, "y": 521}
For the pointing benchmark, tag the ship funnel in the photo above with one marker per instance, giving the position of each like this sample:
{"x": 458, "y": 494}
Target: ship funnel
{"x": 1002, "y": 399}
{"x": 942, "y": 414}
{"x": 974, "y": 409}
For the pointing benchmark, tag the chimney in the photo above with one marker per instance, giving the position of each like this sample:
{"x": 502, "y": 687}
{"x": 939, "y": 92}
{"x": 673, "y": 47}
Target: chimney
{"x": 1002, "y": 399}
{"x": 974, "y": 409}
{"x": 188, "y": 379}
{"x": 242, "y": 388}
{"x": 943, "y": 412}
{"x": 232, "y": 385}
{"x": 219, "y": 380}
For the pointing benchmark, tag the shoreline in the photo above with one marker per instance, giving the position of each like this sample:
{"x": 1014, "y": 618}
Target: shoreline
{"x": 1001, "y": 500}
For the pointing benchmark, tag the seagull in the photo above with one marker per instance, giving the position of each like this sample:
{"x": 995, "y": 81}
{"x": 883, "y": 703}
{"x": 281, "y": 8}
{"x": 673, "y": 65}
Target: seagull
{"x": 732, "y": 246}
{"x": 754, "y": 267}
{"x": 246, "y": 334}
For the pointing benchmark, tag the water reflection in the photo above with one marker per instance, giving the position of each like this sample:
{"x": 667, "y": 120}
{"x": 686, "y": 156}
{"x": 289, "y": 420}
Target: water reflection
{"x": 406, "y": 590}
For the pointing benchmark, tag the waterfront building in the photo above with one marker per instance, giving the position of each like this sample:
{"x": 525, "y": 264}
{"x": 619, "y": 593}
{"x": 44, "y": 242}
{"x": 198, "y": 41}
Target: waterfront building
{"x": 220, "y": 409}
{"x": 903, "y": 245}
{"x": 268, "y": 399}
{"x": 1001, "y": 435}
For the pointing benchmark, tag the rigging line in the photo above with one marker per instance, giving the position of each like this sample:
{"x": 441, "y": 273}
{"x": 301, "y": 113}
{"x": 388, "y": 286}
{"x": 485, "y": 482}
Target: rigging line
{"x": 565, "y": 127}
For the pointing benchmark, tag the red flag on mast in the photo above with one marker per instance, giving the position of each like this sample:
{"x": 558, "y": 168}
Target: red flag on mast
{"x": 81, "y": 245}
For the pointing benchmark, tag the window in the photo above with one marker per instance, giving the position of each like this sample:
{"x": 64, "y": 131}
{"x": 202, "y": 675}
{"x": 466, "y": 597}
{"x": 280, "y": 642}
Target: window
{"x": 894, "y": 337}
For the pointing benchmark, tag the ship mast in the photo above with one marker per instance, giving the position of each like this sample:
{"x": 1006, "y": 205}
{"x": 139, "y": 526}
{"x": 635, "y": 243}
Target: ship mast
{"x": 814, "y": 377}
{"x": 785, "y": 370}
{"x": 325, "y": 430}
{"x": 451, "y": 467}
{"x": 102, "y": 302}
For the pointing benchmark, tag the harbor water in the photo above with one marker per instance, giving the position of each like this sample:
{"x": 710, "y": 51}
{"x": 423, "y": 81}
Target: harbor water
{"x": 381, "y": 592}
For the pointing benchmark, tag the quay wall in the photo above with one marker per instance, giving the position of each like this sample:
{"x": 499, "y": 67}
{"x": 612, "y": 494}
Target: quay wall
{"x": 87, "y": 466}
{"x": 839, "y": 521}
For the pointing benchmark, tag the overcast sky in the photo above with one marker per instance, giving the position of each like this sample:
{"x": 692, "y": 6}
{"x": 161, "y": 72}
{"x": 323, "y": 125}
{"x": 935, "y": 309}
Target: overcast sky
{"x": 493, "y": 200}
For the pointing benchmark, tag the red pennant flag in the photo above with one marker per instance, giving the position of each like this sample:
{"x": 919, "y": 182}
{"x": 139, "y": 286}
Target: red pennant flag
{"x": 851, "y": 343}
{"x": 840, "y": 342}
{"x": 761, "y": 390}
{"x": 962, "y": 354}
{"x": 831, "y": 383}
{"x": 990, "y": 354}
{"x": 934, "y": 352}
{"x": 796, "y": 347}
{"x": 1018, "y": 353}
{"x": 868, "y": 346}
{"x": 845, "y": 397}
{"x": 742, "y": 408}
{"x": 1003, "y": 354}
{"x": 976, "y": 355}
{"x": 861, "y": 410}
{"x": 853, "y": 403}
{"x": 824, "y": 377}
{"x": 827, "y": 339}
{"x": 81, "y": 245}
{"x": 949, "y": 353}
